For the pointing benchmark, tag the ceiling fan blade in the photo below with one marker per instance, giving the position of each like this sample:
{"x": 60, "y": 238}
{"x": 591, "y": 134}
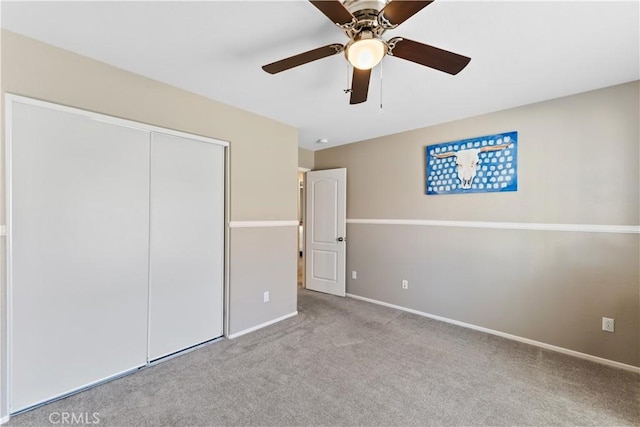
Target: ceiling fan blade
{"x": 359, "y": 86}
{"x": 398, "y": 11}
{"x": 302, "y": 58}
{"x": 334, "y": 10}
{"x": 429, "y": 56}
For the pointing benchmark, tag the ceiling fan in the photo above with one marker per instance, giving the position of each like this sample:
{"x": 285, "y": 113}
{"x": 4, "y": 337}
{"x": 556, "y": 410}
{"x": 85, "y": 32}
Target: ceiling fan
{"x": 364, "y": 22}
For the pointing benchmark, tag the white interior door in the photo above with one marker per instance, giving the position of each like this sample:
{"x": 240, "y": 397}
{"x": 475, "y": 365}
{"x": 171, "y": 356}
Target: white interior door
{"x": 187, "y": 243}
{"x": 78, "y": 244}
{"x": 325, "y": 231}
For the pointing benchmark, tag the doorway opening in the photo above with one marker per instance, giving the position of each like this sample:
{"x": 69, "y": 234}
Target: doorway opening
{"x": 300, "y": 256}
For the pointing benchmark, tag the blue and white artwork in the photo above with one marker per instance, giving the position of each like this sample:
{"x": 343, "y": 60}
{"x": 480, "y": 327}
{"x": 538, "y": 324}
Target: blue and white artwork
{"x": 476, "y": 165}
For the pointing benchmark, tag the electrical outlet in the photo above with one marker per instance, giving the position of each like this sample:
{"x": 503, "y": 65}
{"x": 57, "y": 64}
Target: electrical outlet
{"x": 266, "y": 296}
{"x": 354, "y": 274}
{"x": 608, "y": 324}
{"x": 405, "y": 284}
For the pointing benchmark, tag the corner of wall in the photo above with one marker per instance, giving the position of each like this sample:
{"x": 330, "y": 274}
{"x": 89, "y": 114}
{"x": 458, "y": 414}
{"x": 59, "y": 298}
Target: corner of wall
{"x": 306, "y": 158}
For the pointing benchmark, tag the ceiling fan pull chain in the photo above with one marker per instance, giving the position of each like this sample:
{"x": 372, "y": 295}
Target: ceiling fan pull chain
{"x": 348, "y": 75}
{"x": 349, "y": 89}
{"x": 381, "y": 111}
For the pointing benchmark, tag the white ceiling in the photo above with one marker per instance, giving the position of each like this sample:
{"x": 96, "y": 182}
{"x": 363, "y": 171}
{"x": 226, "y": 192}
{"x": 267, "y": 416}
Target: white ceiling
{"x": 522, "y": 52}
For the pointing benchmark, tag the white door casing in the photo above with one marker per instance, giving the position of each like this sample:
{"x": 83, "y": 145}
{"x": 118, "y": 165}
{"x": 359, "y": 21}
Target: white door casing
{"x": 325, "y": 231}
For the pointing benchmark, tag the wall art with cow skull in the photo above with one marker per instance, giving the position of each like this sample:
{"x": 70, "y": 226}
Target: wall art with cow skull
{"x": 476, "y": 165}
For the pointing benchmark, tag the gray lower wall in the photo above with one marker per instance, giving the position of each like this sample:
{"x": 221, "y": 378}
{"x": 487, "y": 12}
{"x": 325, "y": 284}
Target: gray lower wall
{"x": 266, "y": 264}
{"x": 578, "y": 164}
{"x": 548, "y": 286}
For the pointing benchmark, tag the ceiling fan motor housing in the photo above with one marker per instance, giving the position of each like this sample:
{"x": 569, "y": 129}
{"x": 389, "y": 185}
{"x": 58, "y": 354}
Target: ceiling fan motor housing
{"x": 355, "y": 6}
{"x": 366, "y": 17}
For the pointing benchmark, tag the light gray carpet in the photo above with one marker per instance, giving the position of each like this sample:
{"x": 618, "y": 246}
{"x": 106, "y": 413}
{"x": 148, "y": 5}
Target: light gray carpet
{"x": 347, "y": 362}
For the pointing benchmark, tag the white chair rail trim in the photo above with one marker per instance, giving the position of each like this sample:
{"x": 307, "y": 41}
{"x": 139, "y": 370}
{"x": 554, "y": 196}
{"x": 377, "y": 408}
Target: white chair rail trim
{"x": 251, "y": 224}
{"x": 586, "y": 228}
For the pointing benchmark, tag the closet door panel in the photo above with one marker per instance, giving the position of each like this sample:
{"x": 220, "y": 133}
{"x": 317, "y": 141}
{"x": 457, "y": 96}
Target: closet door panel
{"x": 79, "y": 234}
{"x": 187, "y": 243}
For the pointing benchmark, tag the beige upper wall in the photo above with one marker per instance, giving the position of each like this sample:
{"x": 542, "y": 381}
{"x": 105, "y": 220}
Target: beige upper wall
{"x": 263, "y": 152}
{"x": 578, "y": 163}
{"x": 305, "y": 158}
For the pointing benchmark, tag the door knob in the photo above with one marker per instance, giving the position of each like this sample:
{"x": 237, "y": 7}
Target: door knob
{"x": 341, "y": 239}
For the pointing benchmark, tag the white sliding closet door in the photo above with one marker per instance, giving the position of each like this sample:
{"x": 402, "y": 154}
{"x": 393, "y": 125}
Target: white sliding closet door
{"x": 187, "y": 243}
{"x": 79, "y": 236}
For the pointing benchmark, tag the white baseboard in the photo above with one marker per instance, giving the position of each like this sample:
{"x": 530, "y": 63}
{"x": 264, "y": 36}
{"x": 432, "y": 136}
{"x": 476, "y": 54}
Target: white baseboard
{"x": 546, "y": 346}
{"x": 4, "y": 419}
{"x": 255, "y": 328}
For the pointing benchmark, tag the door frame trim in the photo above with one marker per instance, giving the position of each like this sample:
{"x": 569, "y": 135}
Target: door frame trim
{"x": 10, "y": 99}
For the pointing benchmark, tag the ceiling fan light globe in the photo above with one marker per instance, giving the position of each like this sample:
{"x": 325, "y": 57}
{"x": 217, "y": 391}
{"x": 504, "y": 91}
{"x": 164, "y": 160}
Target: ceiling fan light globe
{"x": 365, "y": 54}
